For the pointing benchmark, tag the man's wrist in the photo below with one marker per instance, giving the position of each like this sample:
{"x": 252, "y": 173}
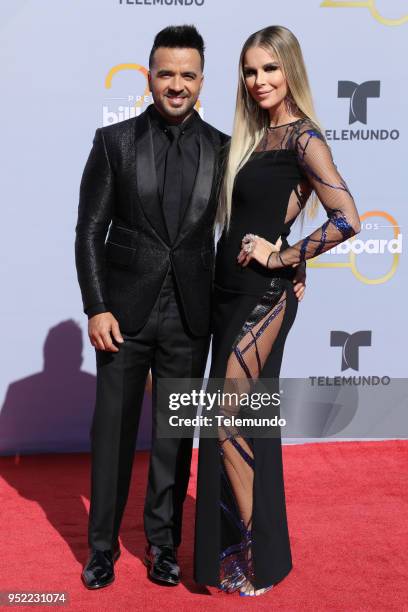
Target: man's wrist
{"x": 99, "y": 308}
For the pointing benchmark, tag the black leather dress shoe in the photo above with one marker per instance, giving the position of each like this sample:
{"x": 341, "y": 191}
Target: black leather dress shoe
{"x": 99, "y": 570}
{"x": 162, "y": 564}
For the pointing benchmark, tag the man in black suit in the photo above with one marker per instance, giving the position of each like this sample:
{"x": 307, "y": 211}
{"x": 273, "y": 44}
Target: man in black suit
{"x": 146, "y": 291}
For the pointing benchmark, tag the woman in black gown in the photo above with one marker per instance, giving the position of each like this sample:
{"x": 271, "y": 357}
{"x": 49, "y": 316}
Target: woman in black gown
{"x": 278, "y": 160}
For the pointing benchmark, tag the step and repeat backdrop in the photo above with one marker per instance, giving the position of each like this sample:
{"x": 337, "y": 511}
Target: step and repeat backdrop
{"x": 70, "y": 66}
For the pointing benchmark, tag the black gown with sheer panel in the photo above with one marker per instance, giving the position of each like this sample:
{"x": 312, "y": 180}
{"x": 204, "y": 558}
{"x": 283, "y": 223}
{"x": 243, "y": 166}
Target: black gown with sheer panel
{"x": 241, "y": 529}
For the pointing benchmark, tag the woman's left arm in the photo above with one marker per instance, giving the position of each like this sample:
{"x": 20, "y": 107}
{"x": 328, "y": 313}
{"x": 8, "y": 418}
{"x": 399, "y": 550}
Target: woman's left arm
{"x": 343, "y": 221}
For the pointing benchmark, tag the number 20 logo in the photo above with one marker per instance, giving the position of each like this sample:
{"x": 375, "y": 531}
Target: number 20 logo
{"x": 371, "y": 5}
{"x": 352, "y": 257}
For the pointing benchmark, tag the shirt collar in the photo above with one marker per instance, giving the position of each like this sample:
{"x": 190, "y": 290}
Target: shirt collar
{"x": 160, "y": 122}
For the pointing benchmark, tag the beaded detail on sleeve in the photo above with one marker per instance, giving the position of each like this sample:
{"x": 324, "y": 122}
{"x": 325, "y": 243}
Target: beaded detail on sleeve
{"x": 314, "y": 157}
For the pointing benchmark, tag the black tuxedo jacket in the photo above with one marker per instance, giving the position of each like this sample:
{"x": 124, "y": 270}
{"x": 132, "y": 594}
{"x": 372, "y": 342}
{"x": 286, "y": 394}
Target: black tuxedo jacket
{"x": 122, "y": 248}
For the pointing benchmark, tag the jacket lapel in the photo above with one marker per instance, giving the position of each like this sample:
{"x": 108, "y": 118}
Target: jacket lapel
{"x": 202, "y": 187}
{"x": 147, "y": 178}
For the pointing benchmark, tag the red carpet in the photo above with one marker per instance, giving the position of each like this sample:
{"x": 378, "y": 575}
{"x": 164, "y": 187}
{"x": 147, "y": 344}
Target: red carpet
{"x": 348, "y": 521}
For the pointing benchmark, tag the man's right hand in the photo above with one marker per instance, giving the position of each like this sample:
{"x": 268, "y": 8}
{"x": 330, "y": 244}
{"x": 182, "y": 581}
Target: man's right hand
{"x": 100, "y": 328}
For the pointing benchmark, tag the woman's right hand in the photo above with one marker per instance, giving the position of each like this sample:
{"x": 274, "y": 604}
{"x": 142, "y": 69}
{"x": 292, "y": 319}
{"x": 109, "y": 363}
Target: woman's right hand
{"x": 257, "y": 248}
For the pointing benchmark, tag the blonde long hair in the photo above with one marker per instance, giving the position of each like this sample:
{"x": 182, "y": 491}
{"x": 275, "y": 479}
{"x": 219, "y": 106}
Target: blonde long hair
{"x": 250, "y": 120}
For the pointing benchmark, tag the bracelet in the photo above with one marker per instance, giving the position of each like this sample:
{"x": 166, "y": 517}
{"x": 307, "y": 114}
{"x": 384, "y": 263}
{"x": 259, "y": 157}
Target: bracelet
{"x": 281, "y": 260}
{"x": 269, "y": 256}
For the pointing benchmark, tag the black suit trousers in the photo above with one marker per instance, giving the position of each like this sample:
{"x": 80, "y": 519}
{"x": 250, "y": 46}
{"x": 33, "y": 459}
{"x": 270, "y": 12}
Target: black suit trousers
{"x": 165, "y": 345}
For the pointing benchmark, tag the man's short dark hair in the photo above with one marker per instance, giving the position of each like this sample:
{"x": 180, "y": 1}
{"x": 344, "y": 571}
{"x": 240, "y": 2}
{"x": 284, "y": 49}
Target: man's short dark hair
{"x": 179, "y": 37}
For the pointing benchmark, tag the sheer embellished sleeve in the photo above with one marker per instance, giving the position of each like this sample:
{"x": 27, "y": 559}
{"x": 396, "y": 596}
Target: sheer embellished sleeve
{"x": 316, "y": 162}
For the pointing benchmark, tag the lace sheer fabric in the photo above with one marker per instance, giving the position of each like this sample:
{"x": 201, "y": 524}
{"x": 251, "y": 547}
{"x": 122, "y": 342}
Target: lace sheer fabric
{"x": 321, "y": 175}
{"x": 291, "y": 161}
{"x": 251, "y": 349}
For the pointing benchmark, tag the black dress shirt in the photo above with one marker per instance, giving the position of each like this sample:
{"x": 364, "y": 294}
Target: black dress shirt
{"x": 190, "y": 152}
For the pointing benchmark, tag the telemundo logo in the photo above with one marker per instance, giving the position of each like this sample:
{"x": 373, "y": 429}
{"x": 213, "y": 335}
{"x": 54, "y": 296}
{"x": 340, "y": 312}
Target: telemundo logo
{"x": 350, "y": 345}
{"x": 358, "y": 95}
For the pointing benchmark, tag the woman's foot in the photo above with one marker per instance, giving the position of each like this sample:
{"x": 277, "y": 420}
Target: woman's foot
{"x": 248, "y": 590}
